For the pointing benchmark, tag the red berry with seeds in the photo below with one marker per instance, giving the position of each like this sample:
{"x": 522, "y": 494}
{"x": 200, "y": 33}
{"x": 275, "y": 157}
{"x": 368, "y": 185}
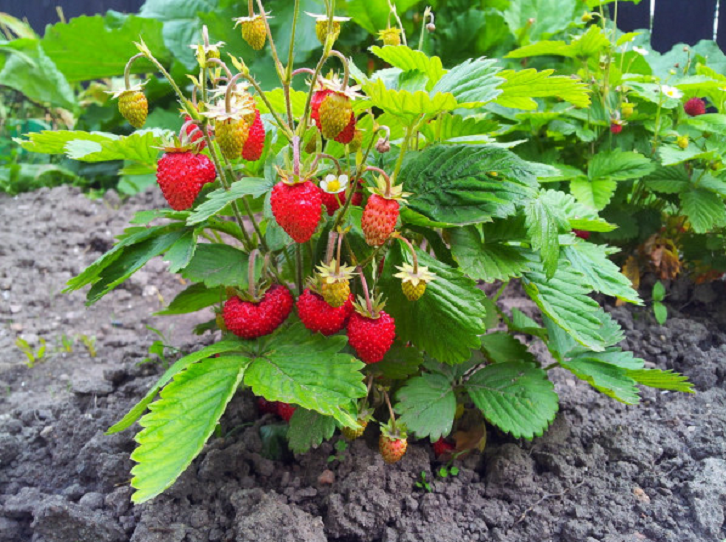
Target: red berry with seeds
{"x": 392, "y": 449}
{"x": 251, "y": 320}
{"x": 318, "y": 316}
{"x": 181, "y": 176}
{"x": 379, "y": 219}
{"x": 616, "y": 127}
{"x": 370, "y": 337}
{"x": 695, "y": 107}
{"x": 316, "y": 100}
{"x": 285, "y": 411}
{"x": 265, "y": 406}
{"x": 332, "y": 202}
{"x": 443, "y": 446}
{"x": 297, "y": 208}
{"x": 255, "y": 144}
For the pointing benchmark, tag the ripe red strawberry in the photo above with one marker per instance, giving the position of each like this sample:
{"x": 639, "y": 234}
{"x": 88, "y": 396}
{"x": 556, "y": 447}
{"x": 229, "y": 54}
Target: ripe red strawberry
{"x": 297, "y": 208}
{"x": 265, "y": 406}
{"x": 252, "y": 320}
{"x": 379, "y": 219}
{"x": 332, "y": 110}
{"x": 695, "y": 107}
{"x": 392, "y": 449}
{"x": 285, "y": 411}
{"x": 443, "y": 446}
{"x": 318, "y": 316}
{"x": 582, "y": 234}
{"x": 181, "y": 176}
{"x": 331, "y": 201}
{"x": 348, "y": 133}
{"x": 370, "y": 337}
{"x": 357, "y": 197}
{"x": 195, "y": 133}
{"x": 616, "y": 127}
{"x": 255, "y": 143}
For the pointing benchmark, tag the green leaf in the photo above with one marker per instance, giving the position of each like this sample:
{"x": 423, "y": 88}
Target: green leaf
{"x": 524, "y": 324}
{"x": 181, "y": 421}
{"x": 668, "y": 180}
{"x": 619, "y": 166}
{"x": 106, "y": 42}
{"x": 400, "y": 362}
{"x": 514, "y": 396}
{"x": 308, "y": 429}
{"x": 579, "y": 216}
{"x": 501, "y": 347}
{"x": 705, "y": 210}
{"x": 671, "y": 155}
{"x": 473, "y": 82}
{"x": 542, "y": 225}
{"x": 603, "y": 275}
{"x": 591, "y": 43}
{"x": 468, "y": 184}
{"x": 521, "y": 87}
{"x": 182, "y": 251}
{"x": 408, "y": 105}
{"x": 594, "y": 194}
{"x": 219, "y": 199}
{"x": 427, "y": 405}
{"x": 661, "y": 312}
{"x": 139, "y": 408}
{"x": 455, "y": 128}
{"x": 447, "y": 321}
{"x": 609, "y": 379}
{"x": 373, "y": 14}
{"x": 537, "y": 19}
{"x": 218, "y": 265}
{"x": 409, "y": 60}
{"x": 658, "y": 291}
{"x": 564, "y": 299}
{"x": 486, "y": 260}
{"x": 195, "y": 298}
{"x": 664, "y": 380}
{"x": 276, "y": 98}
{"x": 307, "y": 370}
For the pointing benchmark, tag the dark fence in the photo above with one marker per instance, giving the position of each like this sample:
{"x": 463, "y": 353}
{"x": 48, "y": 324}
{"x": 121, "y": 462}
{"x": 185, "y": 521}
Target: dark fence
{"x": 673, "y": 21}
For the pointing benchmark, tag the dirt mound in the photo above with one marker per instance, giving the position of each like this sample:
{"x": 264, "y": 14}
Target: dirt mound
{"x": 603, "y": 471}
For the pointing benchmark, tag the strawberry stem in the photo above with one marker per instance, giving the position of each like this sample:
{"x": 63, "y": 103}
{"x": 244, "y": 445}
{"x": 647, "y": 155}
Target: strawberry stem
{"x": 223, "y": 65}
{"x": 362, "y": 276}
{"x": 127, "y": 70}
{"x": 390, "y": 411}
{"x": 413, "y": 252}
{"x": 303, "y": 70}
{"x": 331, "y": 247}
{"x": 385, "y": 176}
{"x": 346, "y": 67}
{"x": 296, "y": 157}
{"x": 340, "y": 245}
{"x": 251, "y": 8}
{"x": 323, "y": 155}
{"x": 251, "y": 274}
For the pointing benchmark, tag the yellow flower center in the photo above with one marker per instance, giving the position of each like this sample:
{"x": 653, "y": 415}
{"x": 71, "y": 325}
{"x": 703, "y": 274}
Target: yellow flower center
{"x": 334, "y": 186}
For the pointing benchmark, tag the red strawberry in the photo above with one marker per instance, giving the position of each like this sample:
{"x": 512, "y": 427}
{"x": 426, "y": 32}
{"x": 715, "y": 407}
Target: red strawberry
{"x": 348, "y": 133}
{"x": 181, "y": 176}
{"x": 318, "y": 316}
{"x": 331, "y": 201}
{"x": 297, "y": 208}
{"x": 371, "y": 338}
{"x": 616, "y": 127}
{"x": 582, "y": 234}
{"x": 285, "y": 411}
{"x": 695, "y": 107}
{"x": 265, "y": 406}
{"x": 357, "y": 197}
{"x": 197, "y": 131}
{"x": 255, "y": 144}
{"x": 251, "y": 320}
{"x": 442, "y": 446}
{"x": 379, "y": 219}
{"x": 315, "y": 102}
{"x": 392, "y": 449}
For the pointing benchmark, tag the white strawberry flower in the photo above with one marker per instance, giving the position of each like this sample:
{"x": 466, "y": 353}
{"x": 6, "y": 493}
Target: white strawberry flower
{"x": 640, "y": 50}
{"x": 334, "y": 184}
{"x": 671, "y": 92}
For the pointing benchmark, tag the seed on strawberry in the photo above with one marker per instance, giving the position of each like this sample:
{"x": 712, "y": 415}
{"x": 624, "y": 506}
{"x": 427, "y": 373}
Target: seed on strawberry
{"x": 232, "y": 134}
{"x": 379, "y": 219}
{"x": 318, "y": 316}
{"x": 181, "y": 174}
{"x": 392, "y": 449}
{"x": 695, "y": 107}
{"x": 371, "y": 332}
{"x": 390, "y": 36}
{"x": 254, "y": 31}
{"x": 297, "y": 208}
{"x": 255, "y": 144}
{"x": 285, "y": 411}
{"x": 443, "y": 446}
{"x": 251, "y": 320}
{"x": 134, "y": 107}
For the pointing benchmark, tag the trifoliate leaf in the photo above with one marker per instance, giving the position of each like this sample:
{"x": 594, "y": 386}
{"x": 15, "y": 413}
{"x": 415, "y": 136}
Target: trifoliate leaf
{"x": 218, "y": 265}
{"x": 410, "y": 60}
{"x": 427, "y": 405}
{"x": 705, "y": 210}
{"x": 408, "y": 105}
{"x": 514, "y": 396}
{"x": 308, "y": 429}
{"x": 522, "y": 86}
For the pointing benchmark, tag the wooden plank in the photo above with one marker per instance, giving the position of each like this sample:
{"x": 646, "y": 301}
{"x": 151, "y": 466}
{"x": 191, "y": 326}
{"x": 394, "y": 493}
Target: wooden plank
{"x": 682, "y": 21}
{"x": 40, "y": 13}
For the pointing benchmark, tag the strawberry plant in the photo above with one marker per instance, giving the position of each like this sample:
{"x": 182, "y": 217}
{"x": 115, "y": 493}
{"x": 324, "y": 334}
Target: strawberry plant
{"x": 346, "y": 265}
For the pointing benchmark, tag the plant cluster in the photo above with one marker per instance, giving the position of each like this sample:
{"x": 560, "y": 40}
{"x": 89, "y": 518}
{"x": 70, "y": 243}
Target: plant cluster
{"x": 343, "y": 235}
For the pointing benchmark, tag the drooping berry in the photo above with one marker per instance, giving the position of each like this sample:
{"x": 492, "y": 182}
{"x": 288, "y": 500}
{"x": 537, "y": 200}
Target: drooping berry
{"x": 335, "y": 115}
{"x": 414, "y": 279}
{"x": 371, "y": 338}
{"x": 582, "y": 234}
{"x": 285, "y": 411}
{"x": 181, "y": 175}
{"x": 695, "y": 107}
{"x": 265, "y": 406}
{"x": 392, "y": 449}
{"x": 255, "y": 144}
{"x": 254, "y": 31}
{"x": 390, "y": 36}
{"x": 443, "y": 446}
{"x": 251, "y": 320}
{"x": 351, "y": 434}
{"x": 319, "y": 317}
{"x": 616, "y": 127}
{"x": 232, "y": 135}
{"x": 297, "y": 208}
{"x": 134, "y": 107}
{"x": 348, "y": 133}
{"x": 379, "y": 219}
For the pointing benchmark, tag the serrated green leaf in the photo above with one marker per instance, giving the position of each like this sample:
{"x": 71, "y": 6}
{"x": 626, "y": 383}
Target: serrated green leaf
{"x": 516, "y": 397}
{"x": 602, "y": 274}
{"x": 609, "y": 379}
{"x": 427, "y": 405}
{"x": 524, "y": 324}
{"x": 705, "y": 210}
{"x": 594, "y": 194}
{"x": 671, "y": 155}
{"x": 542, "y": 224}
{"x": 458, "y": 129}
{"x": 658, "y": 291}
{"x": 468, "y": 184}
{"x": 219, "y": 199}
{"x": 181, "y": 421}
{"x": 218, "y": 265}
{"x": 564, "y": 299}
{"x": 501, "y": 347}
{"x": 447, "y": 321}
{"x": 408, "y": 105}
{"x": 400, "y": 362}
{"x": 474, "y": 82}
{"x": 520, "y": 87}
{"x": 182, "y": 251}
{"x": 579, "y": 216}
{"x": 487, "y": 261}
{"x": 668, "y": 180}
{"x": 591, "y": 43}
{"x": 619, "y": 166}
{"x": 195, "y": 298}
{"x": 537, "y": 19}
{"x": 664, "y": 380}
{"x": 410, "y": 60}
{"x": 307, "y": 370}
{"x": 661, "y": 312}
{"x": 308, "y": 429}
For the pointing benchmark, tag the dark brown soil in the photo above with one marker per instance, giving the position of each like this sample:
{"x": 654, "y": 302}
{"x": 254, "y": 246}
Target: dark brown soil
{"x": 603, "y": 472}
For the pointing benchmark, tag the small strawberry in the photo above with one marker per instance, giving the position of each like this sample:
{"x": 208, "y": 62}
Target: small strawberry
{"x": 297, "y": 208}
{"x": 321, "y": 26}
{"x": 352, "y": 433}
{"x": 255, "y": 144}
{"x": 616, "y": 126}
{"x": 371, "y": 331}
{"x": 414, "y": 279}
{"x": 627, "y": 109}
{"x": 285, "y": 411}
{"x": 181, "y": 172}
{"x": 392, "y": 443}
{"x": 357, "y": 197}
{"x": 381, "y": 212}
{"x": 443, "y": 446}
{"x": 265, "y": 406}
{"x": 232, "y": 136}
{"x": 695, "y": 107}
{"x": 252, "y": 319}
{"x": 582, "y": 234}
{"x": 318, "y": 316}
{"x": 683, "y": 142}
{"x": 335, "y": 283}
{"x": 233, "y": 120}
{"x": 254, "y": 31}
{"x": 194, "y": 132}
{"x": 133, "y": 105}
{"x": 332, "y": 190}
{"x": 332, "y": 111}
{"x": 357, "y": 142}
{"x": 390, "y": 36}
